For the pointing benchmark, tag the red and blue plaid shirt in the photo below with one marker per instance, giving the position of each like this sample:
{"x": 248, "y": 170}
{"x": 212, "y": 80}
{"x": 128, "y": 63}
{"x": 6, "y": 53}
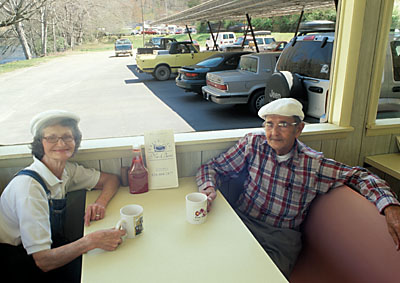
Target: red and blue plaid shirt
{"x": 280, "y": 193}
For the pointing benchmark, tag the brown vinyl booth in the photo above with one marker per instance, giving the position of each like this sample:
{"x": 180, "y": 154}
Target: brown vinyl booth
{"x": 345, "y": 239}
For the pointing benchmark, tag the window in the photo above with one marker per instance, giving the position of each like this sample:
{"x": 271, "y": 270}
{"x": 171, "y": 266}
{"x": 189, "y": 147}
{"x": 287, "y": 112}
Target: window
{"x": 307, "y": 58}
{"x": 211, "y": 62}
{"x": 389, "y": 99}
{"x": 248, "y": 64}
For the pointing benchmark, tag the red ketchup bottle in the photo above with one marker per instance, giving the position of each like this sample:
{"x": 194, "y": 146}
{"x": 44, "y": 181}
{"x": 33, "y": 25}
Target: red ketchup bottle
{"x": 138, "y": 176}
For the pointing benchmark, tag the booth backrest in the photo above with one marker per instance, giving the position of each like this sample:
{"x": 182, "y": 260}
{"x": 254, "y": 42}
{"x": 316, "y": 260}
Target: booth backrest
{"x": 346, "y": 240}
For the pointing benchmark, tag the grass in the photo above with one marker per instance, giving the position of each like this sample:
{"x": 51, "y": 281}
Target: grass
{"x": 107, "y": 43}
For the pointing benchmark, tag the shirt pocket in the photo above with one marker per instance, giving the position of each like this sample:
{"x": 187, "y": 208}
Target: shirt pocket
{"x": 300, "y": 190}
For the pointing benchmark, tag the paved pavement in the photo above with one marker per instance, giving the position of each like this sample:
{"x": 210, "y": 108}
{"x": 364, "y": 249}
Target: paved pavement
{"x": 97, "y": 86}
{"x": 112, "y": 99}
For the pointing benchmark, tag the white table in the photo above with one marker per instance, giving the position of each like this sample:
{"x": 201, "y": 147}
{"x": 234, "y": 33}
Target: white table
{"x": 172, "y": 250}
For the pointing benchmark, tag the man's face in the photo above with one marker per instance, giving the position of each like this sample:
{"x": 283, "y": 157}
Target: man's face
{"x": 279, "y": 137}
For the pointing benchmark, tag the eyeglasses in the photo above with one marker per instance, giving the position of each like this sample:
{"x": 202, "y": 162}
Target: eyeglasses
{"x": 281, "y": 125}
{"x": 55, "y": 139}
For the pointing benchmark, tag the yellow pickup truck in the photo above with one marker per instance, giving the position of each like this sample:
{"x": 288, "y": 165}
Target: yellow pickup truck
{"x": 164, "y": 62}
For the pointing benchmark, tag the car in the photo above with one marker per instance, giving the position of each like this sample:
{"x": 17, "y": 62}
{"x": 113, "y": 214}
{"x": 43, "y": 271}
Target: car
{"x": 162, "y": 63}
{"x": 307, "y": 57}
{"x": 193, "y": 78}
{"x": 263, "y": 40}
{"x": 122, "y": 47}
{"x": 237, "y": 45}
{"x": 245, "y": 85}
{"x": 220, "y": 38}
{"x": 263, "y": 43}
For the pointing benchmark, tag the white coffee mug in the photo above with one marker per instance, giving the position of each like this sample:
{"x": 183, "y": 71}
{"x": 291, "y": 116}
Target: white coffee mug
{"x": 131, "y": 220}
{"x": 196, "y": 208}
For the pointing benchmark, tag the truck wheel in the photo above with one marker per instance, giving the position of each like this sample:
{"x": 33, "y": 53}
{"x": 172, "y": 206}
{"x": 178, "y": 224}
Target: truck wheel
{"x": 256, "y": 101}
{"x": 162, "y": 73}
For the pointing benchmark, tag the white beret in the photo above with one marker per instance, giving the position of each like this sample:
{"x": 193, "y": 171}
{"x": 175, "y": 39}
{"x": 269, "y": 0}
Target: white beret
{"x": 52, "y": 117}
{"x": 283, "y": 107}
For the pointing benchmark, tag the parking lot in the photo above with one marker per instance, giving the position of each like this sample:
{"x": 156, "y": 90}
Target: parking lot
{"x": 112, "y": 99}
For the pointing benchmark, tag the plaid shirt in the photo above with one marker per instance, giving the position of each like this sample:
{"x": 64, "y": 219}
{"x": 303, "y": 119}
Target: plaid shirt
{"x": 280, "y": 193}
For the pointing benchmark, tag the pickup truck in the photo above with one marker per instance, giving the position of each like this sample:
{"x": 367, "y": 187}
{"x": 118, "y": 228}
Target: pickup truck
{"x": 162, "y": 63}
{"x": 155, "y": 43}
{"x": 123, "y": 46}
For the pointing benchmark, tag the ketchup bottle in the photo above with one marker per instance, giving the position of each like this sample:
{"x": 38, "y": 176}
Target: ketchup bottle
{"x": 138, "y": 176}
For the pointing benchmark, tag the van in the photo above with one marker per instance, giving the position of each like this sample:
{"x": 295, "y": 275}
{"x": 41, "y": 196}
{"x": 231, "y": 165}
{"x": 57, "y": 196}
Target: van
{"x": 221, "y": 38}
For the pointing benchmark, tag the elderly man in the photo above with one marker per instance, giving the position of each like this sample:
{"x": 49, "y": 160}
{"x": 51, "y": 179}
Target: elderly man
{"x": 284, "y": 177}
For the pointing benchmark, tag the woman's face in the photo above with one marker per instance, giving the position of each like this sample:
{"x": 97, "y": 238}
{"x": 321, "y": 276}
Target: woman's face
{"x": 58, "y": 142}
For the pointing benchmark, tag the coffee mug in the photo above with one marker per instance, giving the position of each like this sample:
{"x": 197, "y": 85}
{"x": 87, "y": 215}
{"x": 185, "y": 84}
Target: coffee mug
{"x": 131, "y": 220}
{"x": 196, "y": 208}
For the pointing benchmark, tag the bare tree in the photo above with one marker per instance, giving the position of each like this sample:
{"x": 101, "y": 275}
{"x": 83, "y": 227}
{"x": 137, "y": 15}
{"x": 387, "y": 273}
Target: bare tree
{"x": 14, "y": 11}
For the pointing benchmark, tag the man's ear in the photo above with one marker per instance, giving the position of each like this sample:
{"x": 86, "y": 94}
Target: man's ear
{"x": 299, "y": 129}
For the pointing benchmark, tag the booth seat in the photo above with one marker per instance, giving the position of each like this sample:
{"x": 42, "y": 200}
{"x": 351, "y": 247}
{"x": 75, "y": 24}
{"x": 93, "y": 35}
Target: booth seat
{"x": 346, "y": 240}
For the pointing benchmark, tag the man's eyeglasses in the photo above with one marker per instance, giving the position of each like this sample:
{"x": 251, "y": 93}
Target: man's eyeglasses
{"x": 55, "y": 139}
{"x": 281, "y": 125}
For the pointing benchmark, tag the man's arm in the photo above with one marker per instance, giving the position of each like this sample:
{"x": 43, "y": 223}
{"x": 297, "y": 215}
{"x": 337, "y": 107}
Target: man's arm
{"x": 109, "y": 185}
{"x": 392, "y": 214}
{"x": 228, "y": 163}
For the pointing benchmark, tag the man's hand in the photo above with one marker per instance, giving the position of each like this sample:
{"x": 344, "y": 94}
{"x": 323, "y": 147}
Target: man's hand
{"x": 392, "y": 214}
{"x": 94, "y": 212}
{"x": 211, "y": 195}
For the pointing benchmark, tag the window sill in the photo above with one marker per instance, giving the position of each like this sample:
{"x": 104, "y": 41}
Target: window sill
{"x": 17, "y": 155}
{"x": 383, "y": 127}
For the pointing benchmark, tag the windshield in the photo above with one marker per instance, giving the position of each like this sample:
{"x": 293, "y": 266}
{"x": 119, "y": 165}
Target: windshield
{"x": 211, "y": 62}
{"x": 307, "y": 58}
{"x": 268, "y": 40}
{"x": 248, "y": 64}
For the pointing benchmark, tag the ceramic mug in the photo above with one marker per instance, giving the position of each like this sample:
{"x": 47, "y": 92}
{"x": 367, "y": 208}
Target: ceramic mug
{"x": 196, "y": 208}
{"x": 131, "y": 220}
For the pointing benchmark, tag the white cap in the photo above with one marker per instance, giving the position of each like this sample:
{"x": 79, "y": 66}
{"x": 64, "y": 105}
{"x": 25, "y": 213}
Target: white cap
{"x": 51, "y": 116}
{"x": 283, "y": 107}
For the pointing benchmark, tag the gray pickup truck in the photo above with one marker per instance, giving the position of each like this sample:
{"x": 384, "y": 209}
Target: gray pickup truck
{"x": 155, "y": 43}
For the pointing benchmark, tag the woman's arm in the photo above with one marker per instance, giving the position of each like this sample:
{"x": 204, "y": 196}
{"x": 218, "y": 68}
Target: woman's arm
{"x": 51, "y": 259}
{"x": 109, "y": 185}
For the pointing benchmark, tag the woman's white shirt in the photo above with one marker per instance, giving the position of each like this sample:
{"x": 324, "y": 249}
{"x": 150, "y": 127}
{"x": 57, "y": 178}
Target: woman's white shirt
{"x": 24, "y": 210}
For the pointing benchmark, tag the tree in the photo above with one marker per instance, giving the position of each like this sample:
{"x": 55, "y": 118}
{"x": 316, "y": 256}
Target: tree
{"x": 15, "y": 11}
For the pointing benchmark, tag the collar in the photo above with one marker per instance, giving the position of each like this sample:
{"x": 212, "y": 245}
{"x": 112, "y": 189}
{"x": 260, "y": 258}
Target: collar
{"x": 45, "y": 172}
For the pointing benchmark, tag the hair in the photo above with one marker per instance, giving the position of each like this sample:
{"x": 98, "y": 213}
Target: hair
{"x": 37, "y": 145}
{"x": 297, "y": 120}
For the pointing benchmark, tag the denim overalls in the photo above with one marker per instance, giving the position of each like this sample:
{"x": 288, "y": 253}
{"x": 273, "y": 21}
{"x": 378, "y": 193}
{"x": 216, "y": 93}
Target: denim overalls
{"x": 57, "y": 209}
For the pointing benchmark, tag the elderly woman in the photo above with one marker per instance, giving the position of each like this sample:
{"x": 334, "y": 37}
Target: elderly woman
{"x": 32, "y": 206}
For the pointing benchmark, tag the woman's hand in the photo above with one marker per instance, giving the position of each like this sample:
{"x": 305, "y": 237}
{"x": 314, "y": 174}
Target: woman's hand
{"x": 94, "y": 212}
{"x": 107, "y": 240}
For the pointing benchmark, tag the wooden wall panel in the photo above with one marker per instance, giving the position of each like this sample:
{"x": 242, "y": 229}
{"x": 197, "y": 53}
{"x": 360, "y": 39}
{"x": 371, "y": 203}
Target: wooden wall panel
{"x": 112, "y": 166}
{"x": 188, "y": 163}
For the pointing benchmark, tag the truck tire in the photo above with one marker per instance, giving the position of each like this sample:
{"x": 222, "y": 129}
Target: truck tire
{"x": 285, "y": 84}
{"x": 162, "y": 73}
{"x": 257, "y": 100}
